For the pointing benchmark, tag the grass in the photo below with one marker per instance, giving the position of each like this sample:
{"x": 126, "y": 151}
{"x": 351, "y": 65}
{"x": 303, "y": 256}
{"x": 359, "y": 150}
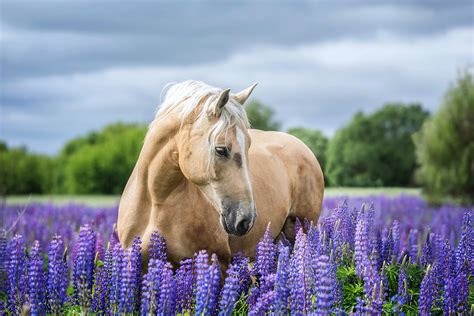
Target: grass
{"x": 92, "y": 200}
{"x": 110, "y": 200}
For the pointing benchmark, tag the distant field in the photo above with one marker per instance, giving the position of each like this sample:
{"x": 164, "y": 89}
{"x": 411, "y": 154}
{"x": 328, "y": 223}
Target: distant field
{"x": 108, "y": 200}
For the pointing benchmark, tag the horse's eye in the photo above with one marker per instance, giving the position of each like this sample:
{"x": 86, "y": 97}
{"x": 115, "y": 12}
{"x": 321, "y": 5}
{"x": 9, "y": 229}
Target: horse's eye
{"x": 222, "y": 151}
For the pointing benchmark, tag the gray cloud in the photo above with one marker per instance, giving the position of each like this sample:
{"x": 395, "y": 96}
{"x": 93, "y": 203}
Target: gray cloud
{"x": 67, "y": 69}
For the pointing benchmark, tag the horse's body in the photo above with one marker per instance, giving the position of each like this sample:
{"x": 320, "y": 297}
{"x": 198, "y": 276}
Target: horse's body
{"x": 167, "y": 194}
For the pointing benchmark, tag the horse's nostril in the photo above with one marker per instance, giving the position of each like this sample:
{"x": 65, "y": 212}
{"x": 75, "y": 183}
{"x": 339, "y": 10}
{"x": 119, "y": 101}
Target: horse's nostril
{"x": 243, "y": 226}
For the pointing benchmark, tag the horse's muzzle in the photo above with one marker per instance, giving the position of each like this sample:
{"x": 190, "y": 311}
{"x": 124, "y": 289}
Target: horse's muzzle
{"x": 237, "y": 225}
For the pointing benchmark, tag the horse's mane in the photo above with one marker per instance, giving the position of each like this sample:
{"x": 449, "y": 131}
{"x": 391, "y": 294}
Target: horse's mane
{"x": 184, "y": 100}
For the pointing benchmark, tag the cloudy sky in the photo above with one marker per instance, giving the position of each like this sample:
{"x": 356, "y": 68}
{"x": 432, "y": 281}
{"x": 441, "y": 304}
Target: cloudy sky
{"x": 70, "y": 67}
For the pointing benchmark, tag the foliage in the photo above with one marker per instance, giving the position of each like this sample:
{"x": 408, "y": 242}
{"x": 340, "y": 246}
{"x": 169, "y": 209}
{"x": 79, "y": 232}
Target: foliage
{"x": 100, "y": 162}
{"x": 22, "y": 172}
{"x": 315, "y": 140}
{"x": 319, "y": 274}
{"x": 445, "y": 146}
{"x": 261, "y": 117}
{"x": 376, "y": 149}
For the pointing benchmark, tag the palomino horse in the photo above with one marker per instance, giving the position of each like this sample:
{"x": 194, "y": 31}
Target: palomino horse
{"x": 204, "y": 180}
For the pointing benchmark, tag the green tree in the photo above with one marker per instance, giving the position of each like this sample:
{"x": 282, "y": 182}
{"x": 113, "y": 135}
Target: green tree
{"x": 445, "y": 146}
{"x": 261, "y": 117}
{"x": 376, "y": 149}
{"x": 315, "y": 140}
{"x": 100, "y": 162}
{"x": 22, "y": 172}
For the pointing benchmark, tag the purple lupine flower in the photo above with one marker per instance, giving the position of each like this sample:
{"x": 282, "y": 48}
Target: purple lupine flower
{"x": 445, "y": 258}
{"x": 337, "y": 285}
{"x": 370, "y": 275}
{"x": 36, "y": 288}
{"x": 298, "y": 225}
{"x": 208, "y": 278}
{"x": 337, "y": 240}
{"x": 462, "y": 288}
{"x": 100, "y": 290}
{"x": 377, "y": 299}
{"x": 100, "y": 299}
{"x": 450, "y": 296}
{"x": 137, "y": 263}
{"x": 157, "y": 246}
{"x": 116, "y": 278}
{"x": 99, "y": 248}
{"x": 16, "y": 272}
{"x": 113, "y": 238}
{"x": 265, "y": 255}
{"x": 267, "y": 283}
{"x": 465, "y": 249}
{"x": 299, "y": 290}
{"x": 427, "y": 251}
{"x": 242, "y": 262}
{"x": 202, "y": 282}
{"x": 282, "y": 291}
{"x": 387, "y": 247}
{"x": 215, "y": 276}
{"x": 263, "y": 303}
{"x": 413, "y": 241}
{"x": 426, "y": 292}
{"x": 376, "y": 257}
{"x": 128, "y": 284}
{"x": 152, "y": 282}
{"x": 402, "y": 294}
{"x": 3, "y": 257}
{"x": 252, "y": 298}
{"x": 362, "y": 308}
{"x": 312, "y": 239}
{"x": 325, "y": 286}
{"x": 167, "y": 301}
{"x": 58, "y": 276}
{"x": 360, "y": 244}
{"x": 84, "y": 267}
{"x": 230, "y": 291}
{"x": 396, "y": 240}
{"x": 185, "y": 286}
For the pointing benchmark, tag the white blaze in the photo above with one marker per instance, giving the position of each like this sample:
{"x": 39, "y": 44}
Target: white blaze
{"x": 245, "y": 169}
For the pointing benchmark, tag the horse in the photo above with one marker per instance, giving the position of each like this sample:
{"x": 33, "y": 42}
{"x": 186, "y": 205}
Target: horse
{"x": 206, "y": 181}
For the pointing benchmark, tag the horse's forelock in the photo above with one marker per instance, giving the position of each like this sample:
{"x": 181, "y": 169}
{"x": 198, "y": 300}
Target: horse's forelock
{"x": 195, "y": 98}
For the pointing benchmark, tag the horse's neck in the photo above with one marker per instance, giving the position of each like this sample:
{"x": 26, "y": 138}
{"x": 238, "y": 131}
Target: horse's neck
{"x": 158, "y": 171}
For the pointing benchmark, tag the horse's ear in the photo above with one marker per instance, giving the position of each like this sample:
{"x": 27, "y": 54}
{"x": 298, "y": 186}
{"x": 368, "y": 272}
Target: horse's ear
{"x": 243, "y": 95}
{"x": 221, "y": 101}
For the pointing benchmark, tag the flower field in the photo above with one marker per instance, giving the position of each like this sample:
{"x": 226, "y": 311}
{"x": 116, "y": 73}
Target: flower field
{"x": 369, "y": 255}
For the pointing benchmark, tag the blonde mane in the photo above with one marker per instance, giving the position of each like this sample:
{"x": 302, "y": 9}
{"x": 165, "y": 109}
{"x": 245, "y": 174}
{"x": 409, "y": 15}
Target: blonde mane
{"x": 184, "y": 99}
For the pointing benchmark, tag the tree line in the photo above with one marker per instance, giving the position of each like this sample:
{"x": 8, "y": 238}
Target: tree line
{"x": 397, "y": 145}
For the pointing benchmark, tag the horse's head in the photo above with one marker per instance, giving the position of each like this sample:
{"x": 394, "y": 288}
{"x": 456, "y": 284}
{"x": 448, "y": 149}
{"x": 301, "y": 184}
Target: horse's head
{"x": 213, "y": 151}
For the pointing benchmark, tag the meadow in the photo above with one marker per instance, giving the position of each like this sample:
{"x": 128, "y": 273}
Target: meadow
{"x": 369, "y": 254}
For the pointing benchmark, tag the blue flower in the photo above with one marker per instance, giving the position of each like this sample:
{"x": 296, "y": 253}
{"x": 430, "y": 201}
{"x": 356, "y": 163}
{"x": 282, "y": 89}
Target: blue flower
{"x": 185, "y": 286}
{"x": 282, "y": 290}
{"x": 157, "y": 246}
{"x": 300, "y": 292}
{"x": 230, "y": 290}
{"x": 36, "y": 287}
{"x": 84, "y": 267}
{"x": 58, "y": 276}
{"x": 208, "y": 282}
{"x": 265, "y": 255}
{"x": 16, "y": 272}
{"x": 426, "y": 292}
{"x": 116, "y": 278}
{"x": 325, "y": 285}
